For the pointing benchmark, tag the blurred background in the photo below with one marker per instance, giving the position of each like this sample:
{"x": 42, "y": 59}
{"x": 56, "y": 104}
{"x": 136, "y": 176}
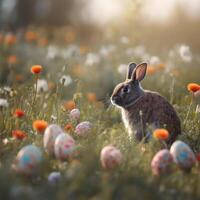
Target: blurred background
{"x": 150, "y": 22}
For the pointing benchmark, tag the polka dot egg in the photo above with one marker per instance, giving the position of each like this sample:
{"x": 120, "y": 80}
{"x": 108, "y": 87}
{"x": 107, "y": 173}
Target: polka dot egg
{"x": 183, "y": 155}
{"x": 161, "y": 162}
{"x": 64, "y": 146}
{"x": 28, "y": 160}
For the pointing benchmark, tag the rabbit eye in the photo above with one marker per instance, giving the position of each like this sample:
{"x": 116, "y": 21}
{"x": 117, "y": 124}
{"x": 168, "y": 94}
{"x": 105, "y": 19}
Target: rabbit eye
{"x": 125, "y": 89}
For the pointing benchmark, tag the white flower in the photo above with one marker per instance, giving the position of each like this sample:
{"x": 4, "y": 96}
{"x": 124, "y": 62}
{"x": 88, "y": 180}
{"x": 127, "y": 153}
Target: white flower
{"x": 154, "y": 60}
{"x": 185, "y": 53}
{"x": 92, "y": 59}
{"x": 107, "y": 50}
{"x": 65, "y": 80}
{"x": 42, "y": 85}
{"x": 139, "y": 51}
{"x": 124, "y": 40}
{"x": 52, "y": 52}
{"x": 70, "y": 51}
{"x": 3, "y": 102}
{"x": 129, "y": 51}
{"x": 122, "y": 69}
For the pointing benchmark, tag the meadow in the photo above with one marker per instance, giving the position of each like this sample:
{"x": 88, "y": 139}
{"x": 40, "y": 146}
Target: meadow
{"x": 82, "y": 75}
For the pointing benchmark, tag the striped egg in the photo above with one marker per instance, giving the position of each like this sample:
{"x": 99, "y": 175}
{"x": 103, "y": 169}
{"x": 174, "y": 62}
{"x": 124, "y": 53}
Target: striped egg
{"x": 183, "y": 155}
{"x": 161, "y": 162}
{"x": 50, "y": 134}
{"x": 64, "y": 146}
{"x": 28, "y": 160}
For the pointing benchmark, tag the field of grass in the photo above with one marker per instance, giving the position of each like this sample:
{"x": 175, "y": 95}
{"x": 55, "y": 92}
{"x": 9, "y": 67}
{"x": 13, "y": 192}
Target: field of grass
{"x": 93, "y": 70}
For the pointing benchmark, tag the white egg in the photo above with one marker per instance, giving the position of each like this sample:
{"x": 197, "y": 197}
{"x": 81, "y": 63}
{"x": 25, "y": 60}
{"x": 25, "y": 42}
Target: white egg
{"x": 28, "y": 160}
{"x": 183, "y": 156}
{"x": 50, "y": 134}
{"x": 64, "y": 146}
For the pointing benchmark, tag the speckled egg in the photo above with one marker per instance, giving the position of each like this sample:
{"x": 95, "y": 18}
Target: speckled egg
{"x": 74, "y": 114}
{"x": 50, "y": 134}
{"x": 110, "y": 157}
{"x": 83, "y": 128}
{"x": 28, "y": 160}
{"x": 161, "y": 162}
{"x": 64, "y": 146}
{"x": 183, "y": 156}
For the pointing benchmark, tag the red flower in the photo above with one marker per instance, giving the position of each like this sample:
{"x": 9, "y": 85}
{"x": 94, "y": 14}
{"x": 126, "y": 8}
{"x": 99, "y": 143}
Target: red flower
{"x": 19, "y": 113}
{"x": 18, "y": 134}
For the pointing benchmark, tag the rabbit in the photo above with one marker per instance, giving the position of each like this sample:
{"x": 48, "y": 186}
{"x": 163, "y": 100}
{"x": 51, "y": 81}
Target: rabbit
{"x": 141, "y": 108}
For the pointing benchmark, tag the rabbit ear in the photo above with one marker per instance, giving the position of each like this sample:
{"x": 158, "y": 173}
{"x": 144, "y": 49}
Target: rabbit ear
{"x": 130, "y": 70}
{"x": 139, "y": 72}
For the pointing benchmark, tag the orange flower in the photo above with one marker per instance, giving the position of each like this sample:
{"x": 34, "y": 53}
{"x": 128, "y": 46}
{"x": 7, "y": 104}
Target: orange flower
{"x": 18, "y": 113}
{"x": 193, "y": 87}
{"x": 160, "y": 66}
{"x": 31, "y": 36}
{"x": 12, "y": 59}
{"x": 161, "y": 134}
{"x": 68, "y": 127}
{"x": 40, "y": 125}
{"x": 43, "y": 42}
{"x": 69, "y": 105}
{"x": 18, "y": 134}
{"x": 36, "y": 69}
{"x": 151, "y": 70}
{"x": 91, "y": 97}
{"x": 10, "y": 39}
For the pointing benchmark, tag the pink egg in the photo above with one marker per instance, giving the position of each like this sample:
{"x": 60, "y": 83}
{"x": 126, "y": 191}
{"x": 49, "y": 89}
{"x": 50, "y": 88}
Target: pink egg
{"x": 83, "y": 128}
{"x": 28, "y": 160}
{"x": 183, "y": 155}
{"x": 50, "y": 134}
{"x": 161, "y": 162}
{"x": 110, "y": 157}
{"x": 74, "y": 114}
{"x": 64, "y": 146}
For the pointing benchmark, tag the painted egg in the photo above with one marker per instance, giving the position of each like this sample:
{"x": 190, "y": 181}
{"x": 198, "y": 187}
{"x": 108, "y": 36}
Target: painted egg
{"x": 83, "y": 128}
{"x": 183, "y": 156}
{"x": 161, "y": 162}
{"x": 64, "y": 146}
{"x": 28, "y": 160}
{"x": 54, "y": 177}
{"x": 50, "y": 134}
{"x": 110, "y": 157}
{"x": 74, "y": 114}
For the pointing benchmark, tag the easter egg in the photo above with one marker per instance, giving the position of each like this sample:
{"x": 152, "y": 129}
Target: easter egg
{"x": 161, "y": 162}
{"x": 64, "y": 146}
{"x": 110, "y": 157}
{"x": 182, "y": 155}
{"x": 28, "y": 160}
{"x": 83, "y": 128}
{"x": 74, "y": 114}
{"x": 54, "y": 177}
{"x": 50, "y": 134}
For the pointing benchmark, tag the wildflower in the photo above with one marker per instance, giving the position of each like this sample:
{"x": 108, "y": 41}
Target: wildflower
{"x": 43, "y": 42}
{"x": 65, "y": 80}
{"x": 122, "y": 69}
{"x": 10, "y": 39}
{"x": 18, "y": 134}
{"x": 91, "y": 97}
{"x": 31, "y": 36}
{"x": 70, "y": 105}
{"x": 92, "y": 59}
{"x": 68, "y": 127}
{"x": 3, "y": 102}
{"x": 42, "y": 85}
{"x": 193, "y": 87}
{"x": 18, "y": 113}
{"x": 161, "y": 134}
{"x": 139, "y": 51}
{"x": 36, "y": 69}
{"x": 74, "y": 114}
{"x": 154, "y": 60}
{"x": 40, "y": 125}
{"x": 12, "y": 59}
{"x": 185, "y": 53}
{"x": 151, "y": 70}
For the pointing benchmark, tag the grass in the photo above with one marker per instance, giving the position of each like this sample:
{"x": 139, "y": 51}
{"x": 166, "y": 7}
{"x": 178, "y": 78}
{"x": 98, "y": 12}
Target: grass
{"x": 83, "y": 177}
